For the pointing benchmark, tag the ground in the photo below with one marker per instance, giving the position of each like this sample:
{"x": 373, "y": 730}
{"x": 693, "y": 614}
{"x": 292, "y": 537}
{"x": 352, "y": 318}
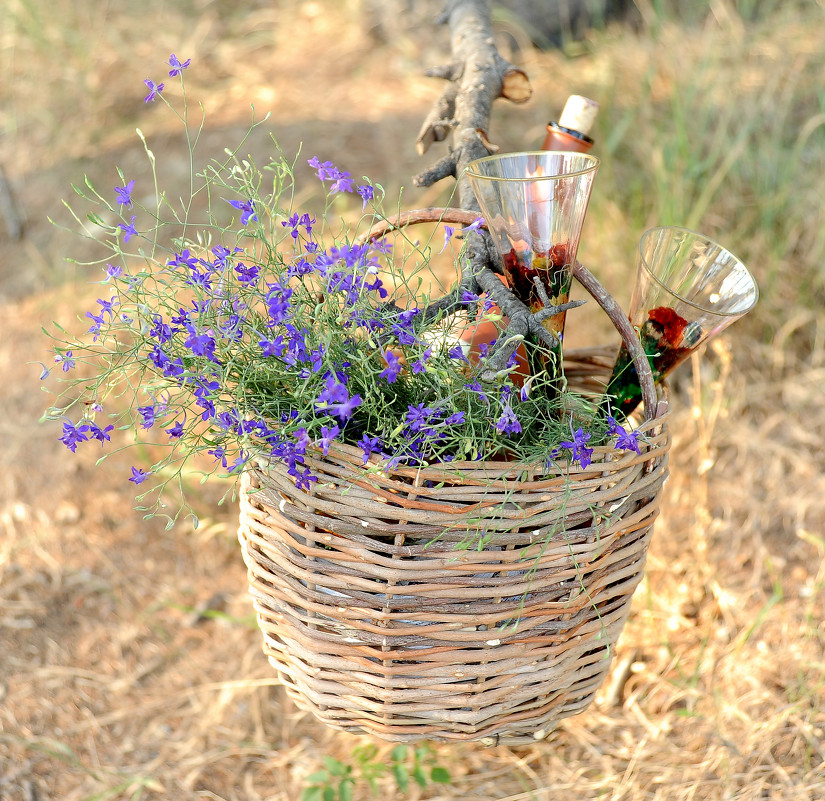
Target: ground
{"x": 130, "y": 665}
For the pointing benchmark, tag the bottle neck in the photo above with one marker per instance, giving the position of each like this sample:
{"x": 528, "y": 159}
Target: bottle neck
{"x": 561, "y": 138}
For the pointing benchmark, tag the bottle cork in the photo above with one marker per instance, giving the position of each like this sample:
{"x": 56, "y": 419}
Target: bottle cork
{"x": 579, "y": 114}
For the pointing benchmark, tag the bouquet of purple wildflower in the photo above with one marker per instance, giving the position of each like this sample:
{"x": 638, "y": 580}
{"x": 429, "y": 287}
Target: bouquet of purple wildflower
{"x": 259, "y": 330}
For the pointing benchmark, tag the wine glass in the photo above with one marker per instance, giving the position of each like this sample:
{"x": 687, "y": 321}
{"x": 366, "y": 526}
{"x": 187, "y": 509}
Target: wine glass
{"x": 688, "y": 289}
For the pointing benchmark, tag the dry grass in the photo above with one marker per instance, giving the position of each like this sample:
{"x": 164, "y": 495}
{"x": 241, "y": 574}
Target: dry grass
{"x": 112, "y": 686}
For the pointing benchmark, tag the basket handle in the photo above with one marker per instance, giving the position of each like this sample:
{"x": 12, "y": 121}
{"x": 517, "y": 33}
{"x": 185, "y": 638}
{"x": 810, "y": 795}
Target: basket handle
{"x": 608, "y": 304}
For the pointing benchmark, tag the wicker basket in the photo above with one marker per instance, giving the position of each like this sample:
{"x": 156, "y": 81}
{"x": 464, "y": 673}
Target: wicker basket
{"x": 379, "y": 621}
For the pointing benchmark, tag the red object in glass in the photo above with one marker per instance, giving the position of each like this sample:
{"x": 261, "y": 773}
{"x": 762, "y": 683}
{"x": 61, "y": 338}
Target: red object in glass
{"x": 667, "y": 339}
{"x": 551, "y": 267}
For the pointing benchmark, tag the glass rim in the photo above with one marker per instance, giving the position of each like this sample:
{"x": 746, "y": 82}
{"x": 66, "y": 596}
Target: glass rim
{"x": 710, "y": 241}
{"x": 591, "y": 161}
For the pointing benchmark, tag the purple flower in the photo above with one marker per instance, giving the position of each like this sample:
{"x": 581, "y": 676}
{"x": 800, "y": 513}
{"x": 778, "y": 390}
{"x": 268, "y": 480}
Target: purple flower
{"x": 139, "y": 476}
{"x": 160, "y": 330}
{"x": 176, "y": 431}
{"x": 419, "y": 366}
{"x": 114, "y": 271}
{"x": 458, "y": 353}
{"x": 627, "y": 440}
{"x": 239, "y": 462}
{"x": 128, "y": 229}
{"x": 292, "y": 223}
{"x": 369, "y": 445}
{"x": 147, "y": 416}
{"x": 579, "y": 452}
{"x": 297, "y": 350}
{"x": 233, "y": 328}
{"x": 66, "y": 360}
{"x": 273, "y": 347}
{"x": 220, "y": 455}
{"x": 303, "y": 478}
{"x": 448, "y": 235}
{"x": 327, "y": 171}
{"x": 176, "y": 65}
{"x": 184, "y": 259}
{"x": 123, "y": 194}
{"x": 307, "y": 221}
{"x": 229, "y": 420}
{"x": 170, "y": 368}
{"x": 393, "y": 368}
{"x": 507, "y": 423}
{"x": 344, "y": 409}
{"x": 247, "y": 209}
{"x": 342, "y": 183}
{"x": 154, "y": 90}
{"x": 72, "y": 435}
{"x": 201, "y": 345}
{"x": 221, "y": 254}
{"x": 403, "y": 328}
{"x": 183, "y": 317}
{"x": 277, "y": 303}
{"x": 418, "y": 416}
{"x": 449, "y": 231}
{"x": 324, "y": 170}
{"x": 367, "y": 193}
{"x": 328, "y": 434}
{"x": 475, "y": 387}
{"x": 302, "y": 440}
{"x": 333, "y": 392}
{"x": 97, "y": 324}
{"x": 100, "y": 434}
{"x": 382, "y": 245}
{"x": 247, "y": 275}
{"x": 316, "y": 358}
{"x": 108, "y": 306}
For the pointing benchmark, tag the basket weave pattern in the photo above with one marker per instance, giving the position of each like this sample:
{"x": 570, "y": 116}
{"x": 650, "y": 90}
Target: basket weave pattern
{"x": 466, "y": 601}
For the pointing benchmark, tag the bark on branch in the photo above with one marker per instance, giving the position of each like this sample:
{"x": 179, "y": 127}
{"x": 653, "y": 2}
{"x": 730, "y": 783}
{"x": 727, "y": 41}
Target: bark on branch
{"x": 477, "y": 75}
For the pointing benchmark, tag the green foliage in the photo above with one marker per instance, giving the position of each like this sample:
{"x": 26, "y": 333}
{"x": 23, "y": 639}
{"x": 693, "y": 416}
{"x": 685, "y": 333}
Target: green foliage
{"x": 337, "y": 780}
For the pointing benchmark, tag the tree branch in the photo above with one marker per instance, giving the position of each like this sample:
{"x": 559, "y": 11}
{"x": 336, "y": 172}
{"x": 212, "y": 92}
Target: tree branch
{"x": 478, "y": 75}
